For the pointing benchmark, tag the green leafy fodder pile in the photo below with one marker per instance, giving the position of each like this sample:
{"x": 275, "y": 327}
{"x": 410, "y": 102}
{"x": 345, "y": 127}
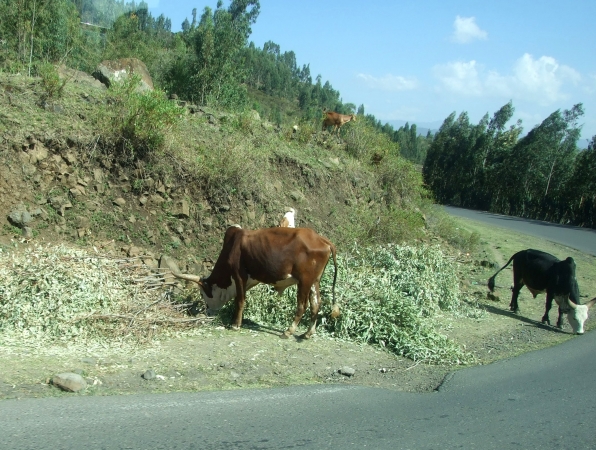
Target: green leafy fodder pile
{"x": 389, "y": 295}
{"x": 59, "y": 294}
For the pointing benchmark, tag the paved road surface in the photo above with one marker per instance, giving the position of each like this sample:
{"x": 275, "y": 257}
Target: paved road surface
{"x": 583, "y": 239}
{"x": 540, "y": 400}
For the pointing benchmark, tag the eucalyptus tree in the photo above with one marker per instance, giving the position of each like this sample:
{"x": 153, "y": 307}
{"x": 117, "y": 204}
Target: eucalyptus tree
{"x": 220, "y": 36}
{"x": 34, "y": 31}
{"x": 581, "y": 188}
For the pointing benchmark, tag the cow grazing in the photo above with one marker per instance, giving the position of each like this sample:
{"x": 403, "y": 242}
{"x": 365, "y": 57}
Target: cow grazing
{"x": 336, "y": 120}
{"x": 542, "y": 272}
{"x": 288, "y": 220}
{"x": 277, "y": 256}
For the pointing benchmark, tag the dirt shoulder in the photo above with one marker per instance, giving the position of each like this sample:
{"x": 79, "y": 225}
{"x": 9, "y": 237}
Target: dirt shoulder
{"x": 215, "y": 358}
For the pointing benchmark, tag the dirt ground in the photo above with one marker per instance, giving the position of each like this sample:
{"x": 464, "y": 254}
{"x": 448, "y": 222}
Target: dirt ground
{"x": 215, "y": 358}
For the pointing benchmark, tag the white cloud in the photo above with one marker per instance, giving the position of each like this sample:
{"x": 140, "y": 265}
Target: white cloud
{"x": 466, "y": 30}
{"x": 460, "y": 77}
{"x": 541, "y": 80}
{"x": 389, "y": 82}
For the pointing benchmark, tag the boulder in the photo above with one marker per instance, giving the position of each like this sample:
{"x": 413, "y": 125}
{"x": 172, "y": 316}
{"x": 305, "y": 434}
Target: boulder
{"x": 120, "y": 69}
{"x": 70, "y": 382}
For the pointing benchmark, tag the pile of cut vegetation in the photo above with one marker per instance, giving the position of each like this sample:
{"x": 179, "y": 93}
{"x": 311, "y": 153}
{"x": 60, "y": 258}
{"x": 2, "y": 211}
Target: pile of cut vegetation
{"x": 390, "y": 296}
{"x": 57, "y": 294}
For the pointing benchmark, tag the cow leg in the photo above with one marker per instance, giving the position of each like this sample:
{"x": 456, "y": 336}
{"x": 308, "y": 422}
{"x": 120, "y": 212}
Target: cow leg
{"x": 547, "y": 306}
{"x": 240, "y": 299}
{"x": 518, "y": 283}
{"x": 303, "y": 293}
{"x": 513, "y": 306}
{"x": 315, "y": 303}
{"x": 560, "y": 319}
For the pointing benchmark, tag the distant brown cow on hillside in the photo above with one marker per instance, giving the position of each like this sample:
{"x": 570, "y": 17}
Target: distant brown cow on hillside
{"x": 336, "y": 120}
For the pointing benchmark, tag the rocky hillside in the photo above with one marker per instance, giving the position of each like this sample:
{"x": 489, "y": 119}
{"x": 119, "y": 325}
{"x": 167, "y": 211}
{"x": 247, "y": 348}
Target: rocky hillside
{"x": 64, "y": 177}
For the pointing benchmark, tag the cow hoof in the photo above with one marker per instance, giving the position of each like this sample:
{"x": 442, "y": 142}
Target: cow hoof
{"x": 235, "y": 328}
{"x": 305, "y": 336}
{"x": 284, "y": 335}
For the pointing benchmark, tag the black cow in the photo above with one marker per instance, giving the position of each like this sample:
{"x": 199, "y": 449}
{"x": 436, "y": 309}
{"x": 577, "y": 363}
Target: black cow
{"x": 542, "y": 272}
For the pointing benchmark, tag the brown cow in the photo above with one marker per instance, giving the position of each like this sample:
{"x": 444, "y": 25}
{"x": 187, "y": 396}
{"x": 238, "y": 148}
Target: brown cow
{"x": 277, "y": 256}
{"x": 336, "y": 120}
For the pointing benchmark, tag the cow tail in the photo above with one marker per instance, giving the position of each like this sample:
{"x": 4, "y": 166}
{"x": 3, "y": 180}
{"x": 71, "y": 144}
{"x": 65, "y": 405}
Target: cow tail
{"x": 491, "y": 280}
{"x": 333, "y": 253}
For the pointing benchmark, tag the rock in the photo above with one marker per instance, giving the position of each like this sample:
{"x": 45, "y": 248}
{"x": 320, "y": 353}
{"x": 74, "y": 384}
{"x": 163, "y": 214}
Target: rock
{"x": 347, "y": 371}
{"x": 157, "y": 199}
{"x": 149, "y": 374}
{"x": 20, "y": 217}
{"x": 207, "y": 222}
{"x": 119, "y": 70}
{"x": 27, "y": 232}
{"x": 90, "y": 361}
{"x": 119, "y": 202}
{"x": 170, "y": 263}
{"x": 133, "y": 252}
{"x": 70, "y": 382}
{"x": 183, "y": 209}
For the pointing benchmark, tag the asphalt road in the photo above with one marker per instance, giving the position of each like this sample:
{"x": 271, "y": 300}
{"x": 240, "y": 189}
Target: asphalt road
{"x": 540, "y": 400}
{"x": 583, "y": 239}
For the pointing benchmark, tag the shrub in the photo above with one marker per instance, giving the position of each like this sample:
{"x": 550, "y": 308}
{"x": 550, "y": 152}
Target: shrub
{"x": 50, "y": 81}
{"x": 136, "y": 122}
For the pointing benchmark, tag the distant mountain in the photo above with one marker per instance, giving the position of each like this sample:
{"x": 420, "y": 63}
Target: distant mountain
{"x": 421, "y": 127}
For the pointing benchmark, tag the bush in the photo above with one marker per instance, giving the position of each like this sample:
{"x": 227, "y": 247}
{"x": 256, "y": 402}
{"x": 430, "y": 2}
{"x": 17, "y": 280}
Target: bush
{"x": 134, "y": 122}
{"x": 50, "y": 81}
{"x": 365, "y": 143}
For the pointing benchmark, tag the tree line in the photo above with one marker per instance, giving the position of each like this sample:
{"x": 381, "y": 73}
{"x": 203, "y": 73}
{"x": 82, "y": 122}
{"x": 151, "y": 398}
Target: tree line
{"x": 490, "y": 166}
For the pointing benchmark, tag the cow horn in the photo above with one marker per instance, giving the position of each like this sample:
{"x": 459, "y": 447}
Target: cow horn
{"x": 573, "y": 305}
{"x": 188, "y": 277}
{"x": 591, "y": 303}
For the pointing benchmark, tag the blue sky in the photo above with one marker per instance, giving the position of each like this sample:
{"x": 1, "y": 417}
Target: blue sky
{"x": 419, "y": 61}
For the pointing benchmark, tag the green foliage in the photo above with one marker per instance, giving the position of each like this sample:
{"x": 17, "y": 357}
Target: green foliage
{"x": 442, "y": 224}
{"x": 486, "y": 167}
{"x": 390, "y": 296}
{"x": 37, "y": 30}
{"x": 135, "y": 122}
{"x": 365, "y": 143}
{"x": 50, "y": 81}
{"x": 582, "y": 190}
{"x": 46, "y": 293}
